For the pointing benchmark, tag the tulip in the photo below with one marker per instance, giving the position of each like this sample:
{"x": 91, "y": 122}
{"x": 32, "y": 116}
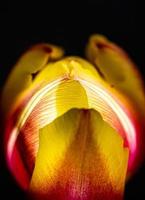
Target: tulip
{"x": 74, "y": 128}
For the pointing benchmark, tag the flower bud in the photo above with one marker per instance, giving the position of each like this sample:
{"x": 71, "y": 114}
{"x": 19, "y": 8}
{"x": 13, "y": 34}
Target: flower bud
{"x": 74, "y": 128}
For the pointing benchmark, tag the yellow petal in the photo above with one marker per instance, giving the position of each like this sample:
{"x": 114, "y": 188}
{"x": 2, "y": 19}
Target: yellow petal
{"x": 116, "y": 68}
{"x": 24, "y": 72}
{"x": 76, "y": 158}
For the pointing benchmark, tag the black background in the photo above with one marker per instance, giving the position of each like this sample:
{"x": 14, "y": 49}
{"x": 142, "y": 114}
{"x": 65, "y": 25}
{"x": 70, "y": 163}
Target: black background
{"x": 69, "y": 25}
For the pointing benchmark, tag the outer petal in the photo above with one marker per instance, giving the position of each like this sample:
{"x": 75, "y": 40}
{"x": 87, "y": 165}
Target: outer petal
{"x": 26, "y": 69}
{"x": 116, "y": 68}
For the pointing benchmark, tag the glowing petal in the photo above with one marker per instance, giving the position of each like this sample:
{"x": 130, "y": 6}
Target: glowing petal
{"x": 76, "y": 158}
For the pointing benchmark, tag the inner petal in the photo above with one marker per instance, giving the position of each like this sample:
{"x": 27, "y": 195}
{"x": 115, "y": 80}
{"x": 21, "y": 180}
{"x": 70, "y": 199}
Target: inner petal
{"x": 80, "y": 157}
{"x": 51, "y": 102}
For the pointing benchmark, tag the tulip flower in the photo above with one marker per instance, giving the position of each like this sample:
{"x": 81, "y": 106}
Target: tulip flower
{"x": 74, "y": 128}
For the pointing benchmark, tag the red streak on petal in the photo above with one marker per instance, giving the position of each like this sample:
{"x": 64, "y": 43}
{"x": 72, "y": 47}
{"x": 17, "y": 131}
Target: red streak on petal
{"x": 14, "y": 160}
{"x": 102, "y": 45}
{"x": 62, "y": 194}
{"x": 47, "y": 49}
{"x": 12, "y": 151}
